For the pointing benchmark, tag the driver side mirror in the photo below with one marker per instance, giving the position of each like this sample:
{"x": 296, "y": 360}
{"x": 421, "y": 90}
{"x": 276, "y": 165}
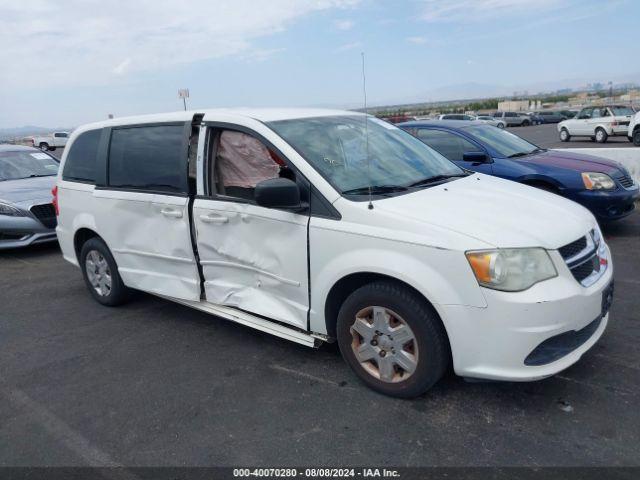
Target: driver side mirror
{"x": 279, "y": 193}
{"x": 476, "y": 157}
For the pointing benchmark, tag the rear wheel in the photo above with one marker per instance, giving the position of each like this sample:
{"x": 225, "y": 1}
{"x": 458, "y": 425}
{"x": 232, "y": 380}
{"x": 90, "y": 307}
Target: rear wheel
{"x": 100, "y": 273}
{"x": 392, "y": 339}
{"x": 526, "y": 123}
{"x": 636, "y": 137}
{"x": 564, "y": 135}
{"x": 601, "y": 135}
{"x": 44, "y": 146}
{"x": 500, "y": 125}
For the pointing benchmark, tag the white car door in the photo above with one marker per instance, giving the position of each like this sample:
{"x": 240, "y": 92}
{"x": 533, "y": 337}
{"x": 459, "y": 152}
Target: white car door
{"x": 142, "y": 210}
{"x": 253, "y": 258}
{"x": 579, "y": 125}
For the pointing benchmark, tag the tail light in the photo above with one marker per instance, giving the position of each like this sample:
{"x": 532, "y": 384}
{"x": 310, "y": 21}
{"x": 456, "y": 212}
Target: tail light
{"x": 54, "y": 192}
{"x": 614, "y": 124}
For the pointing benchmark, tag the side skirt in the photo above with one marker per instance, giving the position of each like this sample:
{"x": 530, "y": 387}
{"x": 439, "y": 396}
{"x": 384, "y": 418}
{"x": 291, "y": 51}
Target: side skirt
{"x": 304, "y": 338}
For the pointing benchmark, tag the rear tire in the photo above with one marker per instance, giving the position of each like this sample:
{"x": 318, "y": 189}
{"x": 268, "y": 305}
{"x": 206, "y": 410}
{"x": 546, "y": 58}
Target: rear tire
{"x": 44, "y": 147}
{"x": 405, "y": 366}
{"x": 500, "y": 125}
{"x": 564, "y": 135}
{"x": 526, "y": 123}
{"x": 100, "y": 273}
{"x": 601, "y": 135}
{"x": 636, "y": 137}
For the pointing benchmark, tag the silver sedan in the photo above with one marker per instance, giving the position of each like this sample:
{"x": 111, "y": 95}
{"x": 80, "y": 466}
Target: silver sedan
{"x": 27, "y": 215}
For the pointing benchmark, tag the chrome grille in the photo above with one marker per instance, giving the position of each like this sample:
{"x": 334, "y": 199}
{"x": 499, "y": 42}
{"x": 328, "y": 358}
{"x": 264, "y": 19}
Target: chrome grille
{"x": 581, "y": 256}
{"x": 624, "y": 179}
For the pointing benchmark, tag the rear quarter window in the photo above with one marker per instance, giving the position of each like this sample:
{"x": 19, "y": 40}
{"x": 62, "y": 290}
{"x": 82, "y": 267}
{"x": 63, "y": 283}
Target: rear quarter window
{"x": 150, "y": 158}
{"x": 80, "y": 165}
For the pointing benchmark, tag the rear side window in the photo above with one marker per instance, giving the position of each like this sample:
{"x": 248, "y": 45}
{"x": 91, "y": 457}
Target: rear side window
{"x": 80, "y": 165}
{"x": 150, "y": 158}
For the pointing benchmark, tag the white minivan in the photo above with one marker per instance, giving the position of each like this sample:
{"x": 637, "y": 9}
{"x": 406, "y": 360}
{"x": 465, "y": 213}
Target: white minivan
{"x": 322, "y": 225}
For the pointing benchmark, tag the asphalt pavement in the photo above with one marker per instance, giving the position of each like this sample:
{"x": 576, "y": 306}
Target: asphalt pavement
{"x": 156, "y": 383}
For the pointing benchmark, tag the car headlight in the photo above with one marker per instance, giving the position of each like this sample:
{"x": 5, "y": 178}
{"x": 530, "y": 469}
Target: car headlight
{"x": 597, "y": 181}
{"x": 511, "y": 269}
{"x": 10, "y": 210}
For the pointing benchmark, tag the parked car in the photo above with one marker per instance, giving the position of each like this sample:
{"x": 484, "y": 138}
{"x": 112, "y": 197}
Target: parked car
{"x": 549, "y": 116}
{"x": 513, "y": 119}
{"x": 315, "y": 225}
{"x": 50, "y": 142}
{"x": 633, "y": 133}
{"x": 491, "y": 121}
{"x": 569, "y": 113}
{"x": 603, "y": 186}
{"x": 455, "y": 116}
{"x": 535, "y": 118}
{"x": 27, "y": 215}
{"x": 599, "y": 123}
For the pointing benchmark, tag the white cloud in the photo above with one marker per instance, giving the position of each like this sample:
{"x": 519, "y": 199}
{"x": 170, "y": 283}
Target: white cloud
{"x": 349, "y": 46}
{"x": 344, "y": 24}
{"x": 93, "y": 42}
{"x": 479, "y": 10}
{"x": 417, "y": 40}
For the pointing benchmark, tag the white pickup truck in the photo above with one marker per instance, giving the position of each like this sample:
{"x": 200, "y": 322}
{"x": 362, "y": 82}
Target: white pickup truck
{"x": 50, "y": 142}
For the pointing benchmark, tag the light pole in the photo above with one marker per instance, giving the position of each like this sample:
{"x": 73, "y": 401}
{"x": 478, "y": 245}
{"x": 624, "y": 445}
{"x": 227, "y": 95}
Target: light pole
{"x": 183, "y": 93}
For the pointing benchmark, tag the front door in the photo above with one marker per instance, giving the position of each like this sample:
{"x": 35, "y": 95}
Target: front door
{"x": 253, "y": 258}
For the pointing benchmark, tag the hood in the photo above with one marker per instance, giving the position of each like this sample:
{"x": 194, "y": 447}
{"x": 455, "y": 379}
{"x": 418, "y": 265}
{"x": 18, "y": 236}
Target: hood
{"x": 577, "y": 162}
{"x": 26, "y": 190}
{"x": 499, "y": 212}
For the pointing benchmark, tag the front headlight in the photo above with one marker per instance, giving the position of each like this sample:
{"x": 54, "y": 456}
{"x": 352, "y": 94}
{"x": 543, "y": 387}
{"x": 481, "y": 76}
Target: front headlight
{"x": 511, "y": 269}
{"x": 10, "y": 210}
{"x": 597, "y": 181}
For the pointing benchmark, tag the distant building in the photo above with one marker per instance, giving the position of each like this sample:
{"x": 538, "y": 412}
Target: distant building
{"x": 515, "y": 106}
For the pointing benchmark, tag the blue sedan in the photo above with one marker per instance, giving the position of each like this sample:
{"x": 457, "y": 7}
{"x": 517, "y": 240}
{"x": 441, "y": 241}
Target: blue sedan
{"x": 603, "y": 186}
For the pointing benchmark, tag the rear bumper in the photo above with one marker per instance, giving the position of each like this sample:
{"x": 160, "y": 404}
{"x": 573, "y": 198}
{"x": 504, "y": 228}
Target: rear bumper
{"x": 17, "y": 232}
{"x": 499, "y": 341}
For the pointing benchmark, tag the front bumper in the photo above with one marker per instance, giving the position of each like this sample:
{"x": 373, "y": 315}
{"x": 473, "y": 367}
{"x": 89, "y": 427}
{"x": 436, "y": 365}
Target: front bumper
{"x": 17, "y": 232}
{"x": 607, "y": 205}
{"x": 495, "y": 342}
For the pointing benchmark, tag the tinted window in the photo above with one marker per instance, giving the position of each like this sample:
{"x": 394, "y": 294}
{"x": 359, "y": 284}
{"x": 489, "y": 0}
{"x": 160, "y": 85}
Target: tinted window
{"x": 26, "y": 164}
{"x": 510, "y": 114}
{"x": 60, "y": 135}
{"x": 448, "y": 144}
{"x": 622, "y": 111}
{"x": 148, "y": 158}
{"x": 81, "y": 159}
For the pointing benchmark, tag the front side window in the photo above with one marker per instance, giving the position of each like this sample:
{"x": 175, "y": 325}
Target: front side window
{"x": 26, "y": 164}
{"x": 241, "y": 161}
{"x": 150, "y": 158}
{"x": 352, "y": 154}
{"x": 505, "y": 143}
{"x": 448, "y": 144}
{"x": 80, "y": 164}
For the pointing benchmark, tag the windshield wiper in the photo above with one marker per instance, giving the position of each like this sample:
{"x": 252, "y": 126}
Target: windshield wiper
{"x": 436, "y": 179}
{"x": 537, "y": 150}
{"x": 520, "y": 154}
{"x": 37, "y": 175}
{"x": 376, "y": 190}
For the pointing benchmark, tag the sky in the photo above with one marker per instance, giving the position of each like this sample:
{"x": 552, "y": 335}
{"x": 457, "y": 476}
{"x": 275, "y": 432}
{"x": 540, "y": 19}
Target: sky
{"x": 67, "y": 63}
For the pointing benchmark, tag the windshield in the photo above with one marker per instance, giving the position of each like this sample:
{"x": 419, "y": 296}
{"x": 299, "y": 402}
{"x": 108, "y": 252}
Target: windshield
{"x": 336, "y": 147}
{"x": 505, "y": 143}
{"x": 26, "y": 164}
{"x": 622, "y": 111}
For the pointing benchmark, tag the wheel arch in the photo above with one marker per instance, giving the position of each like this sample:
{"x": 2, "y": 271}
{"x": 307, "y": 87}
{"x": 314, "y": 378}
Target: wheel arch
{"x": 538, "y": 181}
{"x": 80, "y": 237}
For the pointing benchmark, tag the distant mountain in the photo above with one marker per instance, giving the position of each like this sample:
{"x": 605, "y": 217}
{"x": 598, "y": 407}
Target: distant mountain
{"x": 18, "y": 132}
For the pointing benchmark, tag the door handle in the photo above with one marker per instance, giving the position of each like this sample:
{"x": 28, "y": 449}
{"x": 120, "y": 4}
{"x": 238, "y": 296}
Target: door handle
{"x": 219, "y": 219}
{"x": 169, "y": 212}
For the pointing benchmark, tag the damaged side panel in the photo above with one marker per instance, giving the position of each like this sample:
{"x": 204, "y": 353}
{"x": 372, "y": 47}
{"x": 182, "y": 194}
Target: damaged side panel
{"x": 254, "y": 259}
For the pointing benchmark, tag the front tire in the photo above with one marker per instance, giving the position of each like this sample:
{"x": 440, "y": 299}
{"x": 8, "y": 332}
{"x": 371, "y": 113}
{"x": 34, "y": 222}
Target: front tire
{"x": 601, "y": 135}
{"x": 564, "y": 135}
{"x": 392, "y": 339}
{"x": 526, "y": 123}
{"x": 100, "y": 273}
{"x": 500, "y": 125}
{"x": 44, "y": 146}
{"x": 636, "y": 137}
